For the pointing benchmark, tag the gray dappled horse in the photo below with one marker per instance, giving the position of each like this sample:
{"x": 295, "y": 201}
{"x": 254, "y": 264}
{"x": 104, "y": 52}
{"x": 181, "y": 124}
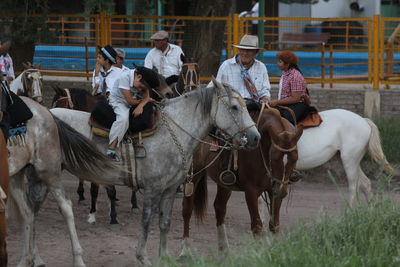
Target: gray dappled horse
{"x": 182, "y": 123}
{"x": 47, "y": 145}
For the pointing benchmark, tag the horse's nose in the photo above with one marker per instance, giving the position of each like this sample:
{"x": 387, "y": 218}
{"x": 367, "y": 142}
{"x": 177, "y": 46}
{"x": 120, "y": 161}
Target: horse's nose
{"x": 253, "y": 138}
{"x": 169, "y": 95}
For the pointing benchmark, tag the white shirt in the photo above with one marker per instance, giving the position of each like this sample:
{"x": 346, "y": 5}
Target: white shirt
{"x": 255, "y": 13}
{"x": 167, "y": 63}
{"x": 229, "y": 72}
{"x": 112, "y": 79}
{"x": 6, "y": 66}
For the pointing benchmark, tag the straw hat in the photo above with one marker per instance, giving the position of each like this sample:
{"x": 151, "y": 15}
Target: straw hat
{"x": 249, "y": 42}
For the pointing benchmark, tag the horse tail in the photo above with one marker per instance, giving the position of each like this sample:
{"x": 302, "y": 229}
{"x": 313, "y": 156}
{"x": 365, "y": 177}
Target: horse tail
{"x": 375, "y": 148}
{"x": 82, "y": 157}
{"x": 200, "y": 197}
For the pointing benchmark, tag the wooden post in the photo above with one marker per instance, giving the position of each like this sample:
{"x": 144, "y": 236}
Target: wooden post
{"x": 347, "y": 36}
{"x": 235, "y": 24}
{"x": 331, "y": 65}
{"x": 87, "y": 58}
{"x": 322, "y": 65}
{"x": 376, "y": 53}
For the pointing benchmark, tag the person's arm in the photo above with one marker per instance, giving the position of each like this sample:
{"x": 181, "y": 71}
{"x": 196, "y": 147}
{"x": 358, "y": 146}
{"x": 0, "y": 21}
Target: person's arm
{"x": 295, "y": 98}
{"x": 148, "y": 61}
{"x": 296, "y": 84}
{"x": 265, "y": 91}
{"x": 128, "y": 97}
{"x": 146, "y": 99}
{"x": 96, "y": 77}
{"x": 10, "y": 72}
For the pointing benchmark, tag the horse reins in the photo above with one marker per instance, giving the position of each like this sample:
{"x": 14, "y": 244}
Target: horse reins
{"x": 68, "y": 98}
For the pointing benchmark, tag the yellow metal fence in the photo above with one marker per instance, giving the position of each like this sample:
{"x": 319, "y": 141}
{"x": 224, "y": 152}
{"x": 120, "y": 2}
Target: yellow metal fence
{"x": 355, "y": 50}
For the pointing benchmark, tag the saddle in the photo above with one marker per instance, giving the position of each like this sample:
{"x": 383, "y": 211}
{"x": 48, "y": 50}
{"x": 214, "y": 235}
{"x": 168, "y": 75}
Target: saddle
{"x": 103, "y": 116}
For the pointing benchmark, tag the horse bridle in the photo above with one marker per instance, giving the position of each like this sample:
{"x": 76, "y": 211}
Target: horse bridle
{"x": 192, "y": 74}
{"x": 68, "y": 98}
{"x": 25, "y": 83}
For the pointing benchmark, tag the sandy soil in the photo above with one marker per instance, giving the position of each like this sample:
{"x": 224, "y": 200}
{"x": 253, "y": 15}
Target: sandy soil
{"x": 106, "y": 245}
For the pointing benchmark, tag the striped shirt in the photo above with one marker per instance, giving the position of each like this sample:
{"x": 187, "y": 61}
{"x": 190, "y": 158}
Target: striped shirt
{"x": 291, "y": 81}
{"x": 230, "y": 72}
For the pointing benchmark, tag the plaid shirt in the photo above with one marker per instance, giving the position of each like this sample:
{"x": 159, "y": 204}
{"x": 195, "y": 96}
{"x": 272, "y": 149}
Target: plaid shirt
{"x": 291, "y": 81}
{"x": 230, "y": 72}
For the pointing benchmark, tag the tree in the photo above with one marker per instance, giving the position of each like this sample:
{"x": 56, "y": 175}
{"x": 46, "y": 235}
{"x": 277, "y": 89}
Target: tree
{"x": 24, "y": 30}
{"x": 204, "y": 40}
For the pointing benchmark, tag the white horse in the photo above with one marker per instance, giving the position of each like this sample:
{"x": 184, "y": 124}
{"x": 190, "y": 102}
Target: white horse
{"x": 182, "y": 123}
{"x": 29, "y": 83}
{"x": 351, "y": 136}
{"x": 48, "y": 144}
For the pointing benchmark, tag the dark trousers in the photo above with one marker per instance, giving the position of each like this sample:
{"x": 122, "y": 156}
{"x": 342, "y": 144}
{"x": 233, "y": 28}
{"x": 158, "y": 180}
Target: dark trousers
{"x": 143, "y": 121}
{"x": 300, "y": 111}
{"x": 254, "y": 29}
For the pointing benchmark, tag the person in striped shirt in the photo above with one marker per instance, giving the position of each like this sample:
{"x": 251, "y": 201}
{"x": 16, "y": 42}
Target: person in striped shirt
{"x": 292, "y": 88}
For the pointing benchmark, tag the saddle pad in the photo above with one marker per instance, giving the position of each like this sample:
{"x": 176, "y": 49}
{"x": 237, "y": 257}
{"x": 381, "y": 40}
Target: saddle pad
{"x": 313, "y": 119}
{"x": 98, "y": 130}
{"x": 19, "y": 112}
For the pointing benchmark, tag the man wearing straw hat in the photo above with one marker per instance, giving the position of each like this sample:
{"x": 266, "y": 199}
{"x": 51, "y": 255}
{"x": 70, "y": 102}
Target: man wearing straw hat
{"x": 246, "y": 74}
{"x": 165, "y": 57}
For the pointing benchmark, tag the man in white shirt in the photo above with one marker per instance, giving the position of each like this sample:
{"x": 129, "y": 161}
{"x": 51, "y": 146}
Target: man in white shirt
{"x": 254, "y": 13}
{"x": 165, "y": 58}
{"x": 6, "y": 63}
{"x": 246, "y": 74}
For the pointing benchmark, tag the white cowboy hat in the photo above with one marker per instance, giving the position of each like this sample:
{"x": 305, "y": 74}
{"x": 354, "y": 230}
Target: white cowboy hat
{"x": 249, "y": 42}
{"x": 160, "y": 35}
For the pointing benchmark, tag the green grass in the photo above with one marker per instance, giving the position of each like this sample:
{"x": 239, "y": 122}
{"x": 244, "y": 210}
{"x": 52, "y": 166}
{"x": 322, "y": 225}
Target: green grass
{"x": 366, "y": 236}
{"x": 389, "y": 129}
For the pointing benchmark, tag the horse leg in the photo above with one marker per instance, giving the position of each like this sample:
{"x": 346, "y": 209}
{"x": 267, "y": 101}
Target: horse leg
{"x": 80, "y": 191}
{"x": 365, "y": 184}
{"x": 135, "y": 207}
{"x": 167, "y": 200}
{"x": 3, "y": 244}
{"x": 351, "y": 167}
{"x": 150, "y": 204}
{"x": 65, "y": 206}
{"x": 22, "y": 211}
{"x": 187, "y": 210}
{"x": 275, "y": 211}
{"x": 252, "y": 204}
{"x": 94, "y": 192}
{"x": 221, "y": 199}
{"x": 112, "y": 193}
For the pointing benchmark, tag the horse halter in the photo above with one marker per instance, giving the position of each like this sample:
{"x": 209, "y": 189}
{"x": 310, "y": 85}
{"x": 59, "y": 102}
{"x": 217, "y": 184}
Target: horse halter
{"x": 68, "y": 98}
{"x": 241, "y": 129}
{"x": 191, "y": 79}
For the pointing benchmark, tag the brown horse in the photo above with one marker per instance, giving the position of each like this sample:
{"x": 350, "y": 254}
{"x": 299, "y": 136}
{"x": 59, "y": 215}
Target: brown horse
{"x": 80, "y": 99}
{"x": 4, "y": 179}
{"x": 260, "y": 170}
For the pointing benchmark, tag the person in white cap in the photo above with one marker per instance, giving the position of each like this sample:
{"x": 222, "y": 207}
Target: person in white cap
{"x": 105, "y": 75}
{"x": 246, "y": 74}
{"x": 6, "y": 63}
{"x": 165, "y": 58}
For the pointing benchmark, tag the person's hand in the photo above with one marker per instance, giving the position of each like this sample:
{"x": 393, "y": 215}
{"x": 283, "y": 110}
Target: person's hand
{"x": 137, "y": 111}
{"x": 97, "y": 68}
{"x": 9, "y": 79}
{"x": 264, "y": 100}
{"x": 273, "y": 103}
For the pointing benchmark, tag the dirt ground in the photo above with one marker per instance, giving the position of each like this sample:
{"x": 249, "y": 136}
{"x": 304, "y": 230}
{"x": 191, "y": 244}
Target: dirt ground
{"x": 106, "y": 245}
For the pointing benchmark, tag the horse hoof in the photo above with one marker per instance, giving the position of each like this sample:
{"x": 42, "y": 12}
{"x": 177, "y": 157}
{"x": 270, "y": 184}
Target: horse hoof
{"x": 82, "y": 202}
{"x": 114, "y": 222}
{"x": 91, "y": 219}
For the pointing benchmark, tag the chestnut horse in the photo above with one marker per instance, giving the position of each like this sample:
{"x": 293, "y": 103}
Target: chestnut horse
{"x": 253, "y": 176}
{"x": 81, "y": 99}
{"x": 4, "y": 179}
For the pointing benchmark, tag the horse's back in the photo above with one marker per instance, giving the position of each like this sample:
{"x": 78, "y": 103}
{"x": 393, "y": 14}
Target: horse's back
{"x": 340, "y": 130}
{"x": 74, "y": 118}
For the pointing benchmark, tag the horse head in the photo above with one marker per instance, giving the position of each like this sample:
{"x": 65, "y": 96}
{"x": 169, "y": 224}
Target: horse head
{"x": 29, "y": 83}
{"x": 189, "y": 78}
{"x": 163, "y": 90}
{"x": 62, "y": 98}
{"x": 230, "y": 115}
{"x": 284, "y": 137}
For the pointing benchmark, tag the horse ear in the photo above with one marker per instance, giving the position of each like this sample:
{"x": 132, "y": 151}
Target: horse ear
{"x": 299, "y": 132}
{"x": 38, "y": 65}
{"x": 216, "y": 83}
{"x": 25, "y": 65}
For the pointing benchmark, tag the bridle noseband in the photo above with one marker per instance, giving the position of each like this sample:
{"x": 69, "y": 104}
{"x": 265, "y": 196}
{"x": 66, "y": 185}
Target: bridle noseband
{"x": 68, "y": 98}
